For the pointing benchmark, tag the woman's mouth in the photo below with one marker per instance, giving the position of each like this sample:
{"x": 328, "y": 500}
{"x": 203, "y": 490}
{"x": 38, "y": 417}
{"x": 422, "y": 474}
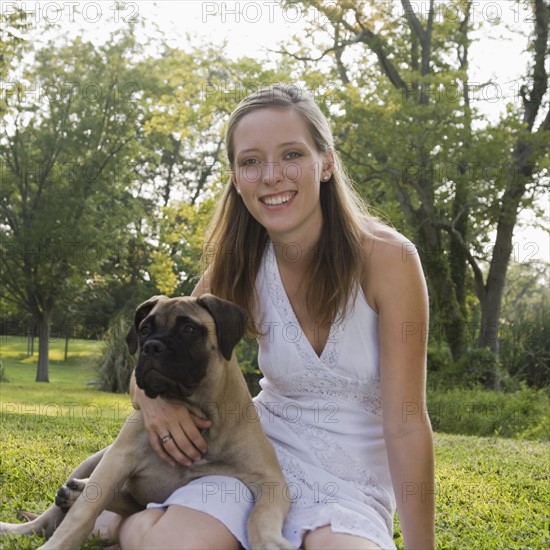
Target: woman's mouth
{"x": 278, "y": 199}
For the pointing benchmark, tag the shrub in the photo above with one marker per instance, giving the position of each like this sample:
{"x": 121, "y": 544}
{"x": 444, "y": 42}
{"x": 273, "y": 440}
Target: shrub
{"x": 526, "y": 352}
{"x": 520, "y": 414}
{"x": 247, "y": 355}
{"x": 439, "y": 361}
{"x": 477, "y": 367}
{"x": 116, "y": 364}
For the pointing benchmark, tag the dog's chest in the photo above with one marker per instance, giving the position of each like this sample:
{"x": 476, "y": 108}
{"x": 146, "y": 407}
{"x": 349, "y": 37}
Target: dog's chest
{"x": 156, "y": 482}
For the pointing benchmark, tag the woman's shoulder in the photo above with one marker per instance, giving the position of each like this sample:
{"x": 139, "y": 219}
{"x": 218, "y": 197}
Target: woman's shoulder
{"x": 384, "y": 243}
{"x": 391, "y": 261}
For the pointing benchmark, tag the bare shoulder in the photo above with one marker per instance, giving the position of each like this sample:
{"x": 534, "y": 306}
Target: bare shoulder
{"x": 392, "y": 265}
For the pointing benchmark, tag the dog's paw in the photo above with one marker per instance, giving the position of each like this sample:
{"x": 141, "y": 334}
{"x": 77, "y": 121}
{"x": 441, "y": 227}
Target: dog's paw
{"x": 69, "y": 492}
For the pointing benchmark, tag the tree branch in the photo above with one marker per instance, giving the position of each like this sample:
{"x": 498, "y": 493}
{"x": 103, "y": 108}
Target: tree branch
{"x": 540, "y": 75}
{"x": 457, "y": 238}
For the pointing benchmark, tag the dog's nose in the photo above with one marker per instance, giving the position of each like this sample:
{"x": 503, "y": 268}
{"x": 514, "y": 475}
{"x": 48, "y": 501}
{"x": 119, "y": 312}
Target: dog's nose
{"x": 154, "y": 348}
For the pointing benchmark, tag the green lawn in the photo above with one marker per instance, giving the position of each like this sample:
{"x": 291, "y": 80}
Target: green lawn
{"x": 491, "y": 492}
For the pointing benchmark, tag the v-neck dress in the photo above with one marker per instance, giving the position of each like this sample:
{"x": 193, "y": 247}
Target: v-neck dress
{"x": 323, "y": 415}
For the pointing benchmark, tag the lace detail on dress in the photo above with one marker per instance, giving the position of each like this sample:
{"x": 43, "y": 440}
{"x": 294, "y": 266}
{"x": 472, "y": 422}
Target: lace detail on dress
{"x": 329, "y": 356}
{"x": 329, "y": 388}
{"x": 335, "y": 460}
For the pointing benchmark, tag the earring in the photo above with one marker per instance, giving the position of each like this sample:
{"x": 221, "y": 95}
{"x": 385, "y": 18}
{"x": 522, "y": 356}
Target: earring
{"x": 238, "y": 190}
{"x": 326, "y": 178}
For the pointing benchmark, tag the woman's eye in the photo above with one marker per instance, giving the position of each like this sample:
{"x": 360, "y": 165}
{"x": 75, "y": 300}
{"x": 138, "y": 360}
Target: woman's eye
{"x": 293, "y": 155}
{"x": 249, "y": 162}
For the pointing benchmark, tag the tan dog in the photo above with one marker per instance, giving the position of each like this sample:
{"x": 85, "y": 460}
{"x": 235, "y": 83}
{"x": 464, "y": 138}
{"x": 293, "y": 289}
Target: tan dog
{"x": 186, "y": 353}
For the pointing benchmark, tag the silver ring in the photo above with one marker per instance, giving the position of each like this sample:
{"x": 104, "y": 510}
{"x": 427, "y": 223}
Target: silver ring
{"x": 165, "y": 438}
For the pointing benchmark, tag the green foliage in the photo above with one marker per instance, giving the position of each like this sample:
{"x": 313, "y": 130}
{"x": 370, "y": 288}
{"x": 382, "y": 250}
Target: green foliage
{"x": 64, "y": 163}
{"x": 525, "y": 342}
{"x": 13, "y": 24}
{"x": 116, "y": 364}
{"x": 523, "y": 414}
{"x": 527, "y": 356}
{"x": 477, "y": 367}
{"x": 247, "y": 353}
{"x": 176, "y": 262}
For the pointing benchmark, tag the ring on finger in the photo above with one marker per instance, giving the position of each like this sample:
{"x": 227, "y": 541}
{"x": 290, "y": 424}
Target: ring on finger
{"x": 165, "y": 438}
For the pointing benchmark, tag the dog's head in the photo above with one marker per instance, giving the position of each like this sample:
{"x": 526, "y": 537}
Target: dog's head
{"x": 181, "y": 339}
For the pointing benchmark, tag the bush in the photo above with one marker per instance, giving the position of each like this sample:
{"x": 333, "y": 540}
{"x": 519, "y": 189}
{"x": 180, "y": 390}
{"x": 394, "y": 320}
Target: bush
{"x": 521, "y": 414}
{"x": 247, "y": 355}
{"x": 478, "y": 367}
{"x": 439, "y": 361}
{"x": 116, "y": 364}
{"x": 525, "y": 353}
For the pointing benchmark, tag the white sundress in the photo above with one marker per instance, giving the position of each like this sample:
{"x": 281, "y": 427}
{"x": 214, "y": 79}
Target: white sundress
{"x": 324, "y": 418}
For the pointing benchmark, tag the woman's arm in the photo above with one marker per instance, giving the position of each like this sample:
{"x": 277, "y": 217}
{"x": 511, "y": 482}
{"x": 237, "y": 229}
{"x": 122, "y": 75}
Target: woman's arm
{"x": 166, "y": 417}
{"x": 399, "y": 290}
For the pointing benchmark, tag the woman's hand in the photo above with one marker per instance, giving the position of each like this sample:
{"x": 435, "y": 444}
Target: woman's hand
{"x": 173, "y": 431}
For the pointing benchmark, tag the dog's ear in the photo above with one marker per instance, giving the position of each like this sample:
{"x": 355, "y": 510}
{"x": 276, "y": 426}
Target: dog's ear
{"x": 230, "y": 319}
{"x": 141, "y": 312}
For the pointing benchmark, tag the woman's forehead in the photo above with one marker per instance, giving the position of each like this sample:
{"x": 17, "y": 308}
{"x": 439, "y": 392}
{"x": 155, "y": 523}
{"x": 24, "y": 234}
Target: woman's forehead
{"x": 271, "y": 127}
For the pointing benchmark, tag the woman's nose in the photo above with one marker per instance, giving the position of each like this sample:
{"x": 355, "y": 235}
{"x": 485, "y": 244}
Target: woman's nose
{"x": 271, "y": 172}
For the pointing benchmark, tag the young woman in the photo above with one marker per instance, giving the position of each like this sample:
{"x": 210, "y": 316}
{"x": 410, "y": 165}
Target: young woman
{"x": 340, "y": 313}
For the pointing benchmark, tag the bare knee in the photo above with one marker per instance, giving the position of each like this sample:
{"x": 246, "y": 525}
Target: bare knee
{"x": 177, "y": 527}
{"x": 325, "y": 539}
{"x": 135, "y": 529}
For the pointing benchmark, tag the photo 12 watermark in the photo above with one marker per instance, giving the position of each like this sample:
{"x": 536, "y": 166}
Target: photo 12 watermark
{"x": 271, "y": 11}
{"x": 72, "y": 12}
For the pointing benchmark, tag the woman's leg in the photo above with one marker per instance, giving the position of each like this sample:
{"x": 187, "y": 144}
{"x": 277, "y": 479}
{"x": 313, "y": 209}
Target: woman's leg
{"x": 177, "y": 527}
{"x": 324, "y": 538}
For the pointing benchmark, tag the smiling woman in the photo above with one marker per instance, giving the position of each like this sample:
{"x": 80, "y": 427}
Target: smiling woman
{"x": 347, "y": 293}
{"x": 282, "y": 190}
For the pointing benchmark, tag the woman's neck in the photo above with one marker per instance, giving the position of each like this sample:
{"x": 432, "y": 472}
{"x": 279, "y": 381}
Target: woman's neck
{"x": 294, "y": 253}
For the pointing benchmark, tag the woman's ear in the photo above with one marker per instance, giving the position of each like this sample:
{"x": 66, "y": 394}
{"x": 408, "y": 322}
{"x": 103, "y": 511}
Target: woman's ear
{"x": 235, "y": 184}
{"x": 328, "y": 165}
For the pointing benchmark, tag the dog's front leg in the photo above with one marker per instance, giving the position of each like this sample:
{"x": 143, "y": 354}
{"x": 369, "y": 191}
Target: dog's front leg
{"x": 265, "y": 524}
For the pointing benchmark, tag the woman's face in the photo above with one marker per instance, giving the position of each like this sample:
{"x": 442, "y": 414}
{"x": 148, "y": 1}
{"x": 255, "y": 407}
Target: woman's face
{"x": 278, "y": 172}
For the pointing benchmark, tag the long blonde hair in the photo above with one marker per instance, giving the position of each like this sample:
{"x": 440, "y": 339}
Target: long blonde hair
{"x": 236, "y": 242}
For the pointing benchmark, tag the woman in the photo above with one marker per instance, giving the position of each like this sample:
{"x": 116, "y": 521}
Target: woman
{"x": 339, "y": 312}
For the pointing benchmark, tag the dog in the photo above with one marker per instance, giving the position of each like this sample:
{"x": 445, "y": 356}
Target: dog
{"x": 186, "y": 353}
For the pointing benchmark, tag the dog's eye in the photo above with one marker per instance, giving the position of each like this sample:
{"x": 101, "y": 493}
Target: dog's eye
{"x": 145, "y": 330}
{"x": 188, "y": 328}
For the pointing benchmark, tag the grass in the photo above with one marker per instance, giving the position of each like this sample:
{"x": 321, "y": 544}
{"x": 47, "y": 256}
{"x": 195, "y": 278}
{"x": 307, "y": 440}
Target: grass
{"x": 491, "y": 492}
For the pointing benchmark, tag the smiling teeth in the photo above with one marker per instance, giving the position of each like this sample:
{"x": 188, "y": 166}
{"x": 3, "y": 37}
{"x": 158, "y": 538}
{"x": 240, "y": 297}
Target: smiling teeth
{"x": 272, "y": 201}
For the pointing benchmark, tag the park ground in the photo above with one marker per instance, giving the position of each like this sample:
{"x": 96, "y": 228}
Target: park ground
{"x": 491, "y": 492}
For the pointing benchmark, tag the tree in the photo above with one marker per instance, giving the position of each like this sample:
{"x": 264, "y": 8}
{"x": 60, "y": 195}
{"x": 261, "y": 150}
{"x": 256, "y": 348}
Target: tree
{"x": 185, "y": 170}
{"x": 405, "y": 123}
{"x": 66, "y": 201}
{"x": 12, "y": 28}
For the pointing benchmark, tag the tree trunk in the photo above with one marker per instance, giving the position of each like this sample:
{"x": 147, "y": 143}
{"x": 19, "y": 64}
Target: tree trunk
{"x": 43, "y": 323}
{"x": 521, "y": 172}
{"x": 496, "y": 279}
{"x": 450, "y": 322}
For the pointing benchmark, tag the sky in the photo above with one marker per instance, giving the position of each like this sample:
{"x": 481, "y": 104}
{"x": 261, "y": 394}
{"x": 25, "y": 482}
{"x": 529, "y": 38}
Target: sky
{"x": 253, "y": 27}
